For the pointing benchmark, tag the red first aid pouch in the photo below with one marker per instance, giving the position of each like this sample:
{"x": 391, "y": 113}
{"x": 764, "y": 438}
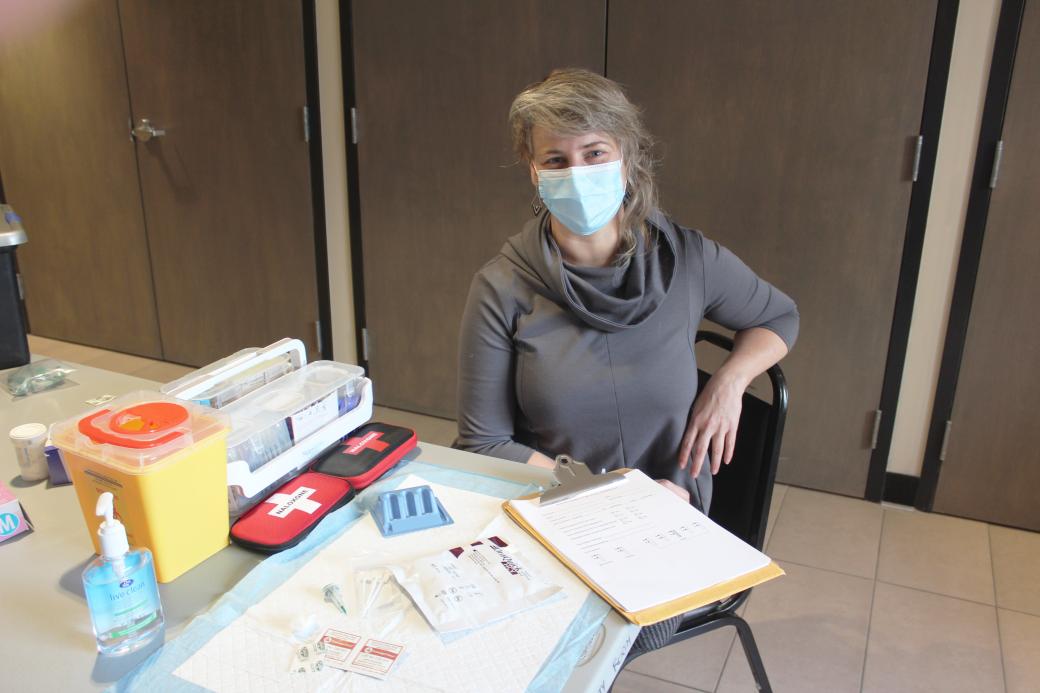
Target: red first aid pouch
{"x": 366, "y": 454}
{"x": 290, "y": 513}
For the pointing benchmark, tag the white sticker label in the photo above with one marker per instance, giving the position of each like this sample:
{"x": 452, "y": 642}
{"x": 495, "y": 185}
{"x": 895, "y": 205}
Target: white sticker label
{"x": 311, "y": 418}
{"x": 375, "y": 658}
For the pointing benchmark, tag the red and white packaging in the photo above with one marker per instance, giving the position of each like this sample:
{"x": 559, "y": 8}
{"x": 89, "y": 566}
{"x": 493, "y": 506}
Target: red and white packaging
{"x": 339, "y": 646}
{"x": 367, "y": 453}
{"x": 290, "y": 513}
{"x": 375, "y": 658}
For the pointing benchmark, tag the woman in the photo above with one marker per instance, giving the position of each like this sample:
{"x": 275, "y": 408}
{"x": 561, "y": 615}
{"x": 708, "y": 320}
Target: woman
{"x": 577, "y": 337}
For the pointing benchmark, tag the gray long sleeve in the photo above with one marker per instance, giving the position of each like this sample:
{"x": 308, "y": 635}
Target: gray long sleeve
{"x": 487, "y": 405}
{"x": 735, "y": 297}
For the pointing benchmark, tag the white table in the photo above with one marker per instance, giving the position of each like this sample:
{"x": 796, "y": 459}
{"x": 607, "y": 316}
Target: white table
{"x": 46, "y": 643}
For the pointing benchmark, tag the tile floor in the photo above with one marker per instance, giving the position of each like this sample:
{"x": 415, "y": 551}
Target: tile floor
{"x": 876, "y": 598}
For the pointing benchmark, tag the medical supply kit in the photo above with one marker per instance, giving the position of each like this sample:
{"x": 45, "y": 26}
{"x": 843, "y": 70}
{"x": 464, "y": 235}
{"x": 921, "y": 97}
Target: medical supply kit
{"x": 287, "y": 516}
{"x": 278, "y": 429}
{"x": 367, "y": 453}
{"x": 284, "y": 412}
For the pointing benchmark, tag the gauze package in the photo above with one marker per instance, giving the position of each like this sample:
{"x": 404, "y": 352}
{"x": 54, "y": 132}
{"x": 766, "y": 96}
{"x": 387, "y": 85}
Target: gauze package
{"x": 470, "y": 586}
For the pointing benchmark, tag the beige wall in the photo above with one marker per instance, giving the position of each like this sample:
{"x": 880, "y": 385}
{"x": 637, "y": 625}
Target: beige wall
{"x": 962, "y": 113}
{"x": 334, "y": 155}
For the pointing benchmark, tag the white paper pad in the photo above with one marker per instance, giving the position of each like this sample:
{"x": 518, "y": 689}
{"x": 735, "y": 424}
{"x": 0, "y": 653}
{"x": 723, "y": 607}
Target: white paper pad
{"x": 640, "y": 542}
{"x": 255, "y": 651}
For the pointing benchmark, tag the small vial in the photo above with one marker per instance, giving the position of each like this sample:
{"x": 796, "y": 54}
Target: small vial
{"x": 28, "y": 441}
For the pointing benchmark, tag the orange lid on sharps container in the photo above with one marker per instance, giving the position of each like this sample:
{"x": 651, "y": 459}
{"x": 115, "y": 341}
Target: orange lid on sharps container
{"x": 138, "y": 430}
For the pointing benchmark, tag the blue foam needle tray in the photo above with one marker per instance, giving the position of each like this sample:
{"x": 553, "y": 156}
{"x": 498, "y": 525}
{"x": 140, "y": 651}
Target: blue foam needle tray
{"x": 408, "y": 510}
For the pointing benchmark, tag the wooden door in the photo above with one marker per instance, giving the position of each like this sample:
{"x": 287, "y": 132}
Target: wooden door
{"x": 991, "y": 470}
{"x": 439, "y": 189}
{"x": 69, "y": 171}
{"x": 785, "y": 133}
{"x": 227, "y": 189}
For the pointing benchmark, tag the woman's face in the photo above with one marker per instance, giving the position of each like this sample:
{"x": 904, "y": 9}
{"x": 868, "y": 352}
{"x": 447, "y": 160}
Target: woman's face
{"x": 552, "y": 151}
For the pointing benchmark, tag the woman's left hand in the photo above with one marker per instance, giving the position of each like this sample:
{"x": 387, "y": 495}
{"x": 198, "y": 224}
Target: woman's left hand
{"x": 712, "y": 425}
{"x": 676, "y": 489}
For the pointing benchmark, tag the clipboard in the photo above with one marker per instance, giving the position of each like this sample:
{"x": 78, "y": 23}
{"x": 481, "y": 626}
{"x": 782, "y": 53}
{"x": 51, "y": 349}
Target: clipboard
{"x": 576, "y": 480}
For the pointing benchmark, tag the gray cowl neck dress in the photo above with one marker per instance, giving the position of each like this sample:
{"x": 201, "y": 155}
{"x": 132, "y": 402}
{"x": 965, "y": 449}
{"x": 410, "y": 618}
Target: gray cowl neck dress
{"x": 598, "y": 363}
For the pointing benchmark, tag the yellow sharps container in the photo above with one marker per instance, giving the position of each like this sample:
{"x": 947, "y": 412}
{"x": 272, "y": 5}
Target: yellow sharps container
{"x": 165, "y": 461}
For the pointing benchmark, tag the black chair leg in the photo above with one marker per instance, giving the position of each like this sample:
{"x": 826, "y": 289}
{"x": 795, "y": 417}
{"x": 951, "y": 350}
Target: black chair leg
{"x": 747, "y": 639}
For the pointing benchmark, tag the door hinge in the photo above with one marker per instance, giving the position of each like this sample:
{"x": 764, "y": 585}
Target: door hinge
{"x": 353, "y": 126}
{"x": 364, "y": 344}
{"x": 945, "y": 441}
{"x": 997, "y": 156}
{"x": 306, "y": 124}
{"x": 917, "y": 157}
{"x": 877, "y": 429}
{"x": 317, "y": 336}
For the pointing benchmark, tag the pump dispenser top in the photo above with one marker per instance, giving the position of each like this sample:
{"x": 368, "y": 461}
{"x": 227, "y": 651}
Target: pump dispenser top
{"x": 112, "y": 533}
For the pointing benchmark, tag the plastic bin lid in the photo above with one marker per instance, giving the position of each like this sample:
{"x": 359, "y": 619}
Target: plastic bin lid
{"x": 284, "y": 397}
{"x": 138, "y": 430}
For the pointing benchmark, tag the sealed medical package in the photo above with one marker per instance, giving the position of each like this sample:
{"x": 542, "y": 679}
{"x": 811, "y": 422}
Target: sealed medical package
{"x": 471, "y": 586}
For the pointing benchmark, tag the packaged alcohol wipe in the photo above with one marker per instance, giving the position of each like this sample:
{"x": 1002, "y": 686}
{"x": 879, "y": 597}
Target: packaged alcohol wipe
{"x": 470, "y": 586}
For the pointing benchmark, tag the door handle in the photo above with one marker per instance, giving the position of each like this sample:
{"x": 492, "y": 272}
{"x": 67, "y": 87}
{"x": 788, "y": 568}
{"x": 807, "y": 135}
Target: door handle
{"x": 145, "y": 131}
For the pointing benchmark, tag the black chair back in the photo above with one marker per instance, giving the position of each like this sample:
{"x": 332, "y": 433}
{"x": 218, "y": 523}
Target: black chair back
{"x": 743, "y": 489}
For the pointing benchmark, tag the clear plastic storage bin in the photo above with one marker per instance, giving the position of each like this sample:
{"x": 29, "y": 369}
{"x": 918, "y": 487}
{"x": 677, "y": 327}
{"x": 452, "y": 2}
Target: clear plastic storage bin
{"x": 277, "y": 430}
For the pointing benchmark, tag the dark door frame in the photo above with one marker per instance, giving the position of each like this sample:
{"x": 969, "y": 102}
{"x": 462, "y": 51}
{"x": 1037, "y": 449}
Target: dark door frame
{"x": 997, "y": 92}
{"x": 321, "y": 253}
{"x": 910, "y": 267}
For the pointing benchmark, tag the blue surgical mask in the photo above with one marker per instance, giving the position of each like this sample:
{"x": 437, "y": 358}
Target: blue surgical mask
{"x": 584, "y": 198}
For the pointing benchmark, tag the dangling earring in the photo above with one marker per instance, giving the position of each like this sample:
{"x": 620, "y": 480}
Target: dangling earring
{"x": 536, "y": 204}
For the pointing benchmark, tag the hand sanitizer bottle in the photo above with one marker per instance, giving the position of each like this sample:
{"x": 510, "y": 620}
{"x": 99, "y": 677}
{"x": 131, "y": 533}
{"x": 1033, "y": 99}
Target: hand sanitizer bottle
{"x": 122, "y": 594}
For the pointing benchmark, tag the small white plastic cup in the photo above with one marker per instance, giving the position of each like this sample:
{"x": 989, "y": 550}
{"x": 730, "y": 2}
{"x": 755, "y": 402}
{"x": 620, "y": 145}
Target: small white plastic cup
{"x": 29, "y": 441}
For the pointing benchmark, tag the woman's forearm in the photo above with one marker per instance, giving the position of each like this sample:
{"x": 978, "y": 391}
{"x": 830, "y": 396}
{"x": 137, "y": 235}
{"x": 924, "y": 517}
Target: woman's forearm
{"x": 754, "y": 350}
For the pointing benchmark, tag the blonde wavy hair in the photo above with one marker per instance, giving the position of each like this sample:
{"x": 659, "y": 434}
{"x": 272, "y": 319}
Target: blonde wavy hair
{"x": 574, "y": 101}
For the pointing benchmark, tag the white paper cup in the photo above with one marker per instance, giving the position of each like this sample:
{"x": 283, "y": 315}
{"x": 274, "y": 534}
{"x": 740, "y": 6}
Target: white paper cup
{"x": 29, "y": 441}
